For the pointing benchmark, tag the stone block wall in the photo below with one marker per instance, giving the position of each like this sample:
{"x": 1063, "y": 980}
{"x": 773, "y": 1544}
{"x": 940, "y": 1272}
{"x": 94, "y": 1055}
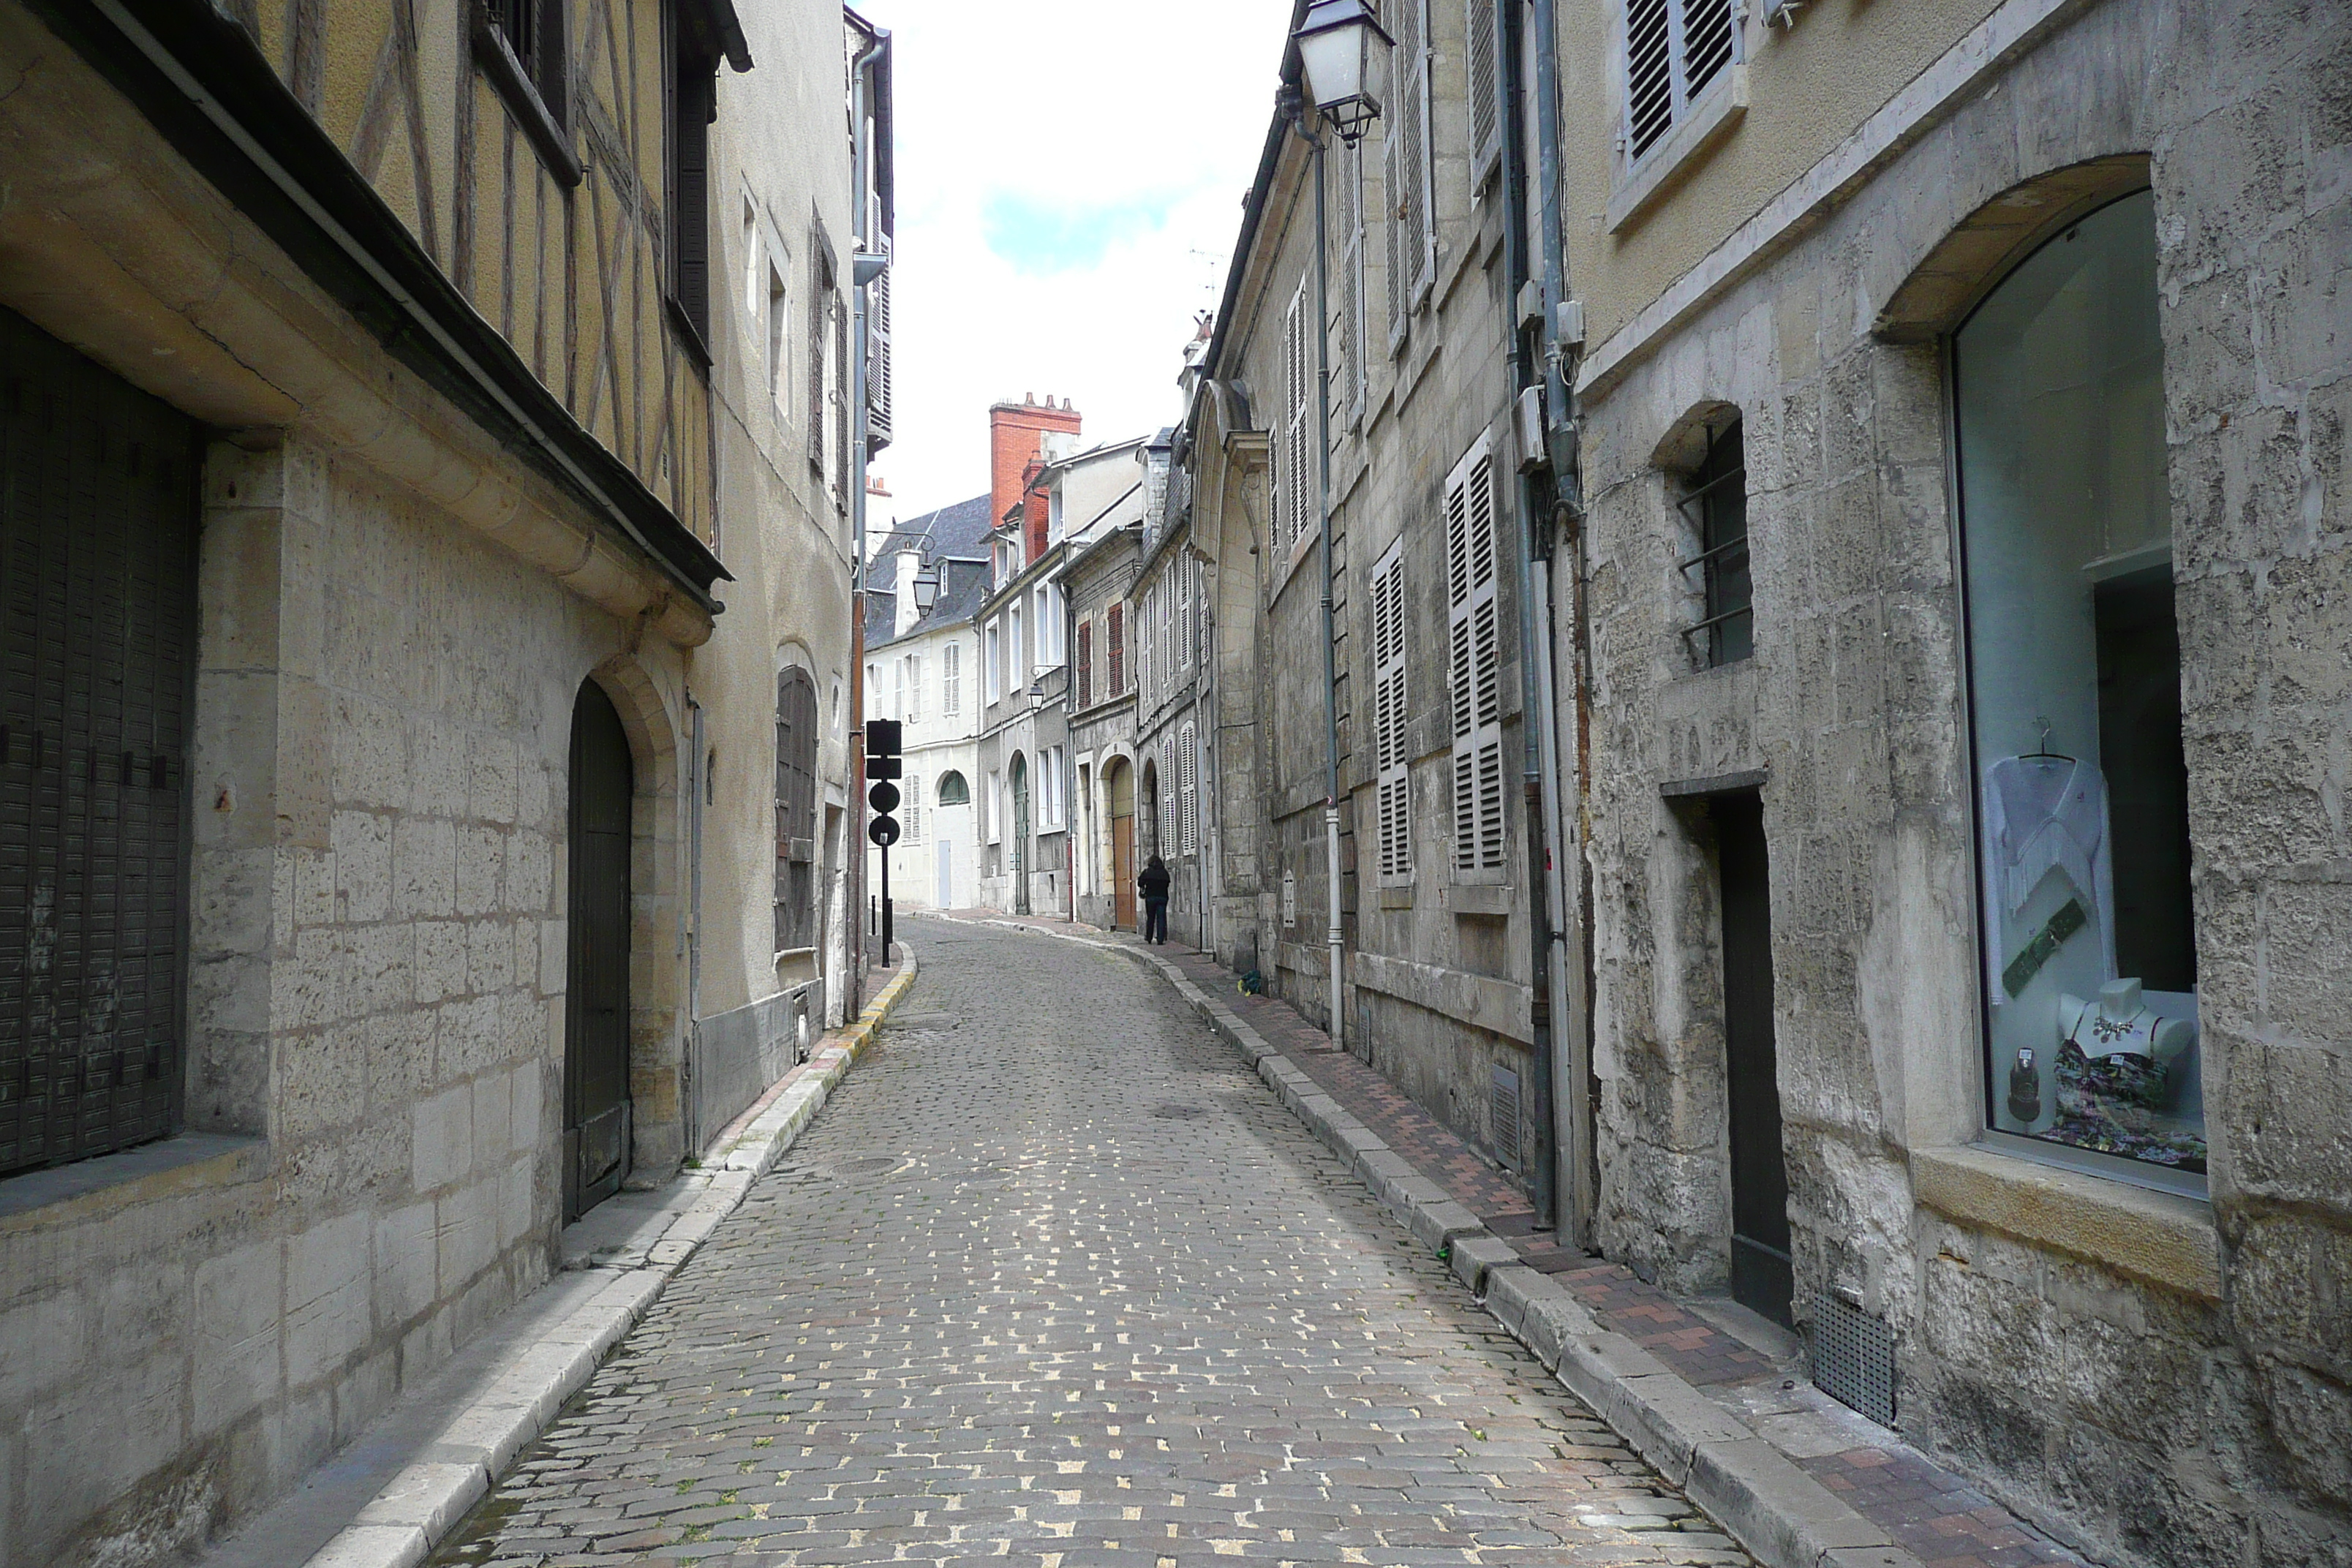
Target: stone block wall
{"x": 2150, "y": 1410}
{"x": 383, "y": 720}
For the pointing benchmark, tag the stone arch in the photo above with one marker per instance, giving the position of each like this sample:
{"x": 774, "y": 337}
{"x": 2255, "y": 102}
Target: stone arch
{"x": 1957, "y": 272}
{"x": 1683, "y": 448}
{"x": 658, "y": 1021}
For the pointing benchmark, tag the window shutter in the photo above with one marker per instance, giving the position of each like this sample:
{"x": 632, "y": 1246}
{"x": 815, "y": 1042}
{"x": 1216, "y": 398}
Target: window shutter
{"x": 1475, "y": 662}
{"x": 1393, "y": 793}
{"x": 1295, "y": 482}
{"x": 1184, "y": 612}
{"x": 1114, "y": 628}
{"x": 796, "y": 739}
{"x": 1674, "y": 50}
{"x": 1350, "y": 390}
{"x": 1419, "y": 195}
{"x": 691, "y": 189}
{"x": 1189, "y": 787}
{"x": 914, "y": 685}
{"x": 1086, "y": 663}
{"x": 1168, "y": 795}
{"x": 820, "y": 291}
{"x": 842, "y": 465}
{"x": 878, "y": 401}
{"x": 1143, "y": 650}
{"x": 1400, "y": 276}
{"x": 1486, "y": 98}
{"x": 950, "y": 680}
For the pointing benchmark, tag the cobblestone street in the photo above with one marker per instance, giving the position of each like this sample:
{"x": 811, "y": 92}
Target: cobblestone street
{"x": 1055, "y": 1280}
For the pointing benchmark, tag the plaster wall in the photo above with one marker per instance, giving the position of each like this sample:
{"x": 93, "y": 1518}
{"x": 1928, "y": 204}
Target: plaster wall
{"x": 2159, "y": 1380}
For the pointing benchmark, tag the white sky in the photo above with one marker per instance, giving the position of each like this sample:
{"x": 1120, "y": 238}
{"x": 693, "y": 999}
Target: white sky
{"x": 1070, "y": 182}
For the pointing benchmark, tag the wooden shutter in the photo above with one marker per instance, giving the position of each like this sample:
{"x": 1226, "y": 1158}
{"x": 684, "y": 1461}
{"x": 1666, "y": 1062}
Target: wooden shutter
{"x": 1475, "y": 662}
{"x": 1086, "y": 663}
{"x": 878, "y": 401}
{"x": 691, "y": 189}
{"x": 1486, "y": 94}
{"x": 1114, "y": 633}
{"x": 1419, "y": 198}
{"x": 1294, "y": 484}
{"x": 97, "y": 535}
{"x": 1188, "y": 791}
{"x": 1347, "y": 329}
{"x": 796, "y": 740}
{"x": 1392, "y": 794}
{"x": 820, "y": 291}
{"x": 1184, "y": 575}
{"x": 842, "y": 465}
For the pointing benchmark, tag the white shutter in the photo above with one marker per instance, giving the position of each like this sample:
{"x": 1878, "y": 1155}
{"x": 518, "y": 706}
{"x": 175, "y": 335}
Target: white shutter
{"x": 949, "y": 678}
{"x": 877, "y": 362}
{"x": 912, "y": 807}
{"x": 1475, "y": 662}
{"x": 1398, "y": 271}
{"x": 1674, "y": 50}
{"x": 1485, "y": 96}
{"x": 1420, "y": 192}
{"x": 1299, "y": 375}
{"x": 1346, "y": 324}
{"x": 1189, "y": 789}
{"x": 1184, "y": 612}
{"x": 1392, "y": 794}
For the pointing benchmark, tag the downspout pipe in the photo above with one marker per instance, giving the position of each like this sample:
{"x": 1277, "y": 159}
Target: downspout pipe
{"x": 860, "y": 71}
{"x": 1546, "y": 951}
{"x": 1335, "y": 932}
{"x": 1563, "y": 333}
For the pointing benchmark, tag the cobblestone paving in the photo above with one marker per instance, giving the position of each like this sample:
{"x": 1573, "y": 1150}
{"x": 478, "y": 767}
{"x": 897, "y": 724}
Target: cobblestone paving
{"x": 1055, "y": 1281}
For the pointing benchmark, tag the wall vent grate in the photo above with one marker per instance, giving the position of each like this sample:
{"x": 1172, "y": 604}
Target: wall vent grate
{"x": 1503, "y": 1116}
{"x": 1853, "y": 1357}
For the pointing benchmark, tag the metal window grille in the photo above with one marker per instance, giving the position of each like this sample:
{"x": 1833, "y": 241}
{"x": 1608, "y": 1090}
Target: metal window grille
{"x": 1724, "y": 632}
{"x": 1475, "y": 663}
{"x": 1503, "y": 1115}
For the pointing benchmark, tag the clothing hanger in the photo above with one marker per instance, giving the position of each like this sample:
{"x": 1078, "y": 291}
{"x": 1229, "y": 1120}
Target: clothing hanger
{"x": 2042, "y": 750}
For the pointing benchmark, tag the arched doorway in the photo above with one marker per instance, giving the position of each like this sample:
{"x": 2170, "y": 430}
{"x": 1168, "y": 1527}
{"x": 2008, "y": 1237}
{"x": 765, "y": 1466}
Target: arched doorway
{"x": 1118, "y": 781}
{"x": 1019, "y": 834}
{"x": 596, "y": 1111}
{"x": 952, "y": 794}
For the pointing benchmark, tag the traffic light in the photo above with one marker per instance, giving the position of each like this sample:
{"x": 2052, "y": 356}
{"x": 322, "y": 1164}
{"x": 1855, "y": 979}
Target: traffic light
{"x": 883, "y": 764}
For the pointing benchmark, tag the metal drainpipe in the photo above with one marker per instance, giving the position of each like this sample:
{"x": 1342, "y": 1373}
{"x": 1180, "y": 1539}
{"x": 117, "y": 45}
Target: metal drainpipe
{"x": 859, "y": 149}
{"x": 1335, "y": 932}
{"x": 1545, "y": 953}
{"x": 1577, "y": 1153}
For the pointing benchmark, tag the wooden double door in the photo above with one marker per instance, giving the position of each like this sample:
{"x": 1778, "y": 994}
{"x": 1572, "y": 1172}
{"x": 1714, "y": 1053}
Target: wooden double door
{"x": 1122, "y": 847}
{"x": 596, "y": 1109}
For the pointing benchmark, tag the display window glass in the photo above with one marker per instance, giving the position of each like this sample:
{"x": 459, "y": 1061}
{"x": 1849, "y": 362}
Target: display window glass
{"x": 2090, "y": 961}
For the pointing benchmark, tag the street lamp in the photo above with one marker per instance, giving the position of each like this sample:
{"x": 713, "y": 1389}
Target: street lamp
{"x": 1341, "y": 46}
{"x": 927, "y": 589}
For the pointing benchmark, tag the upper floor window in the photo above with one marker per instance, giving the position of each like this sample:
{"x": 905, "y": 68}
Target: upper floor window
{"x": 951, "y": 679}
{"x": 1716, "y": 507}
{"x": 1410, "y": 183}
{"x": 1115, "y": 642}
{"x": 1393, "y": 793}
{"x": 1085, "y": 672}
{"x": 992, "y": 663}
{"x": 1674, "y": 50}
{"x": 1474, "y": 659}
{"x": 520, "y": 45}
{"x": 2088, "y": 926}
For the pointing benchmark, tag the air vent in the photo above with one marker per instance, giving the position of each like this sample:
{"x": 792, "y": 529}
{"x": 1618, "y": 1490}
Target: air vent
{"x": 1853, "y": 1357}
{"x": 1503, "y": 1116}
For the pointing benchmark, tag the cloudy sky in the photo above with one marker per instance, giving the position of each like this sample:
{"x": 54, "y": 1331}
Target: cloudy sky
{"x": 1070, "y": 180}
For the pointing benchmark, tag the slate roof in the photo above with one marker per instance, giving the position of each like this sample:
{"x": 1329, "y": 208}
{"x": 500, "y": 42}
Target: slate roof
{"x": 959, "y": 535}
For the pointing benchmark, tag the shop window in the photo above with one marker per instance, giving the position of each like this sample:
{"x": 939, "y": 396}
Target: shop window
{"x": 1716, "y": 508}
{"x": 2089, "y": 946}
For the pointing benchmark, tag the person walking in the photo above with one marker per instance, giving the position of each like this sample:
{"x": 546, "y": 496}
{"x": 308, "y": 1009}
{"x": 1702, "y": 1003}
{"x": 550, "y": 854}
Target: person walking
{"x": 1153, "y": 885}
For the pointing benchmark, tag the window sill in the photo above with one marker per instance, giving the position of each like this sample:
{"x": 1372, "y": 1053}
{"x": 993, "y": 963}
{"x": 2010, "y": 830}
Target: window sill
{"x": 92, "y": 1189}
{"x": 2161, "y": 1237}
{"x": 1396, "y": 897}
{"x": 522, "y": 100}
{"x": 1664, "y": 166}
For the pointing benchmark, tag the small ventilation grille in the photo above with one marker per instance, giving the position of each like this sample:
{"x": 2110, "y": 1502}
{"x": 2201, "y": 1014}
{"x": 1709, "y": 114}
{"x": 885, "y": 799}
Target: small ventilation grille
{"x": 1853, "y": 1357}
{"x": 1503, "y": 1116}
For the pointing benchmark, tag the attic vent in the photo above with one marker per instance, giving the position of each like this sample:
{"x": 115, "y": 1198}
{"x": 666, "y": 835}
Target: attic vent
{"x": 1853, "y": 1357}
{"x": 1503, "y": 1116}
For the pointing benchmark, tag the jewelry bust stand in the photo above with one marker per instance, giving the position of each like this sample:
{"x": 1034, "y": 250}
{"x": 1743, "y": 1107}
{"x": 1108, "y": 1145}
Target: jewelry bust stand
{"x": 2119, "y": 1022}
{"x": 2120, "y": 1070}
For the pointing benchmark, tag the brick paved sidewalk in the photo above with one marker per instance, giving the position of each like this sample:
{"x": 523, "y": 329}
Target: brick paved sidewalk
{"x": 1936, "y": 1514}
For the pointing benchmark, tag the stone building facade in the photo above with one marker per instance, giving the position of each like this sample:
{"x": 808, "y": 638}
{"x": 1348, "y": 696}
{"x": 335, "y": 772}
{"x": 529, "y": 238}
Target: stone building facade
{"x": 1963, "y": 408}
{"x": 1433, "y": 846}
{"x": 1174, "y": 705}
{"x": 1098, "y": 582}
{"x": 370, "y": 363}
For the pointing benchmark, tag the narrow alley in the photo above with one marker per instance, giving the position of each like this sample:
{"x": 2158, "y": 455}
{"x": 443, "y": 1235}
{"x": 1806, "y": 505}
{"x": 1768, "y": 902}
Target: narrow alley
{"x": 1055, "y": 1280}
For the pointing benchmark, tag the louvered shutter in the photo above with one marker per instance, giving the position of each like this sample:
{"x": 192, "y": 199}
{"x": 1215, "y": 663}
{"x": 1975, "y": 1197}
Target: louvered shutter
{"x": 1189, "y": 787}
{"x": 911, "y": 807}
{"x": 1296, "y": 482}
{"x": 796, "y": 740}
{"x": 1168, "y": 796}
{"x": 1346, "y": 325}
{"x": 878, "y": 401}
{"x": 1485, "y": 97}
{"x": 1392, "y": 790}
{"x": 820, "y": 291}
{"x": 1674, "y": 50}
{"x": 1475, "y": 669}
{"x": 952, "y": 679}
{"x": 689, "y": 195}
{"x": 1086, "y": 663}
{"x": 1420, "y": 192}
{"x": 1114, "y": 632}
{"x": 1184, "y": 612}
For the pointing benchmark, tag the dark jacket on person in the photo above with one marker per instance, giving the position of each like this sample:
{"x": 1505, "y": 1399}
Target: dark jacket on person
{"x": 1153, "y": 882}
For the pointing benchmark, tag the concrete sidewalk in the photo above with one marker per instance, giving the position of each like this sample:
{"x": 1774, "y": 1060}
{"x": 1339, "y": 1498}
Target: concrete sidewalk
{"x": 384, "y": 1500}
{"x": 1719, "y": 1400}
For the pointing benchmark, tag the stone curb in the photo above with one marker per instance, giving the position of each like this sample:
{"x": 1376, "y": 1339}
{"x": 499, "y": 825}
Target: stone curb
{"x": 427, "y": 1499}
{"x": 1783, "y": 1516}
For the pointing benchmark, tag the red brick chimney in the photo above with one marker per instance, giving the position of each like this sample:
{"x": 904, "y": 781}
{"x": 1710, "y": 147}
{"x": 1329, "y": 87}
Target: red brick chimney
{"x": 1016, "y": 442}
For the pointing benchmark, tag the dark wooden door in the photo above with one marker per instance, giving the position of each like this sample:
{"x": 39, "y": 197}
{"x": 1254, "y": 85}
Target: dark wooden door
{"x": 98, "y": 534}
{"x": 1020, "y": 836}
{"x": 1760, "y": 1275}
{"x": 1122, "y": 872}
{"x": 596, "y": 1006}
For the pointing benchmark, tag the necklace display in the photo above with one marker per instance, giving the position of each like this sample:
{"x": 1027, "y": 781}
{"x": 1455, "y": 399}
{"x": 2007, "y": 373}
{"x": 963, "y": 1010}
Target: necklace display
{"x": 2118, "y": 1067}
